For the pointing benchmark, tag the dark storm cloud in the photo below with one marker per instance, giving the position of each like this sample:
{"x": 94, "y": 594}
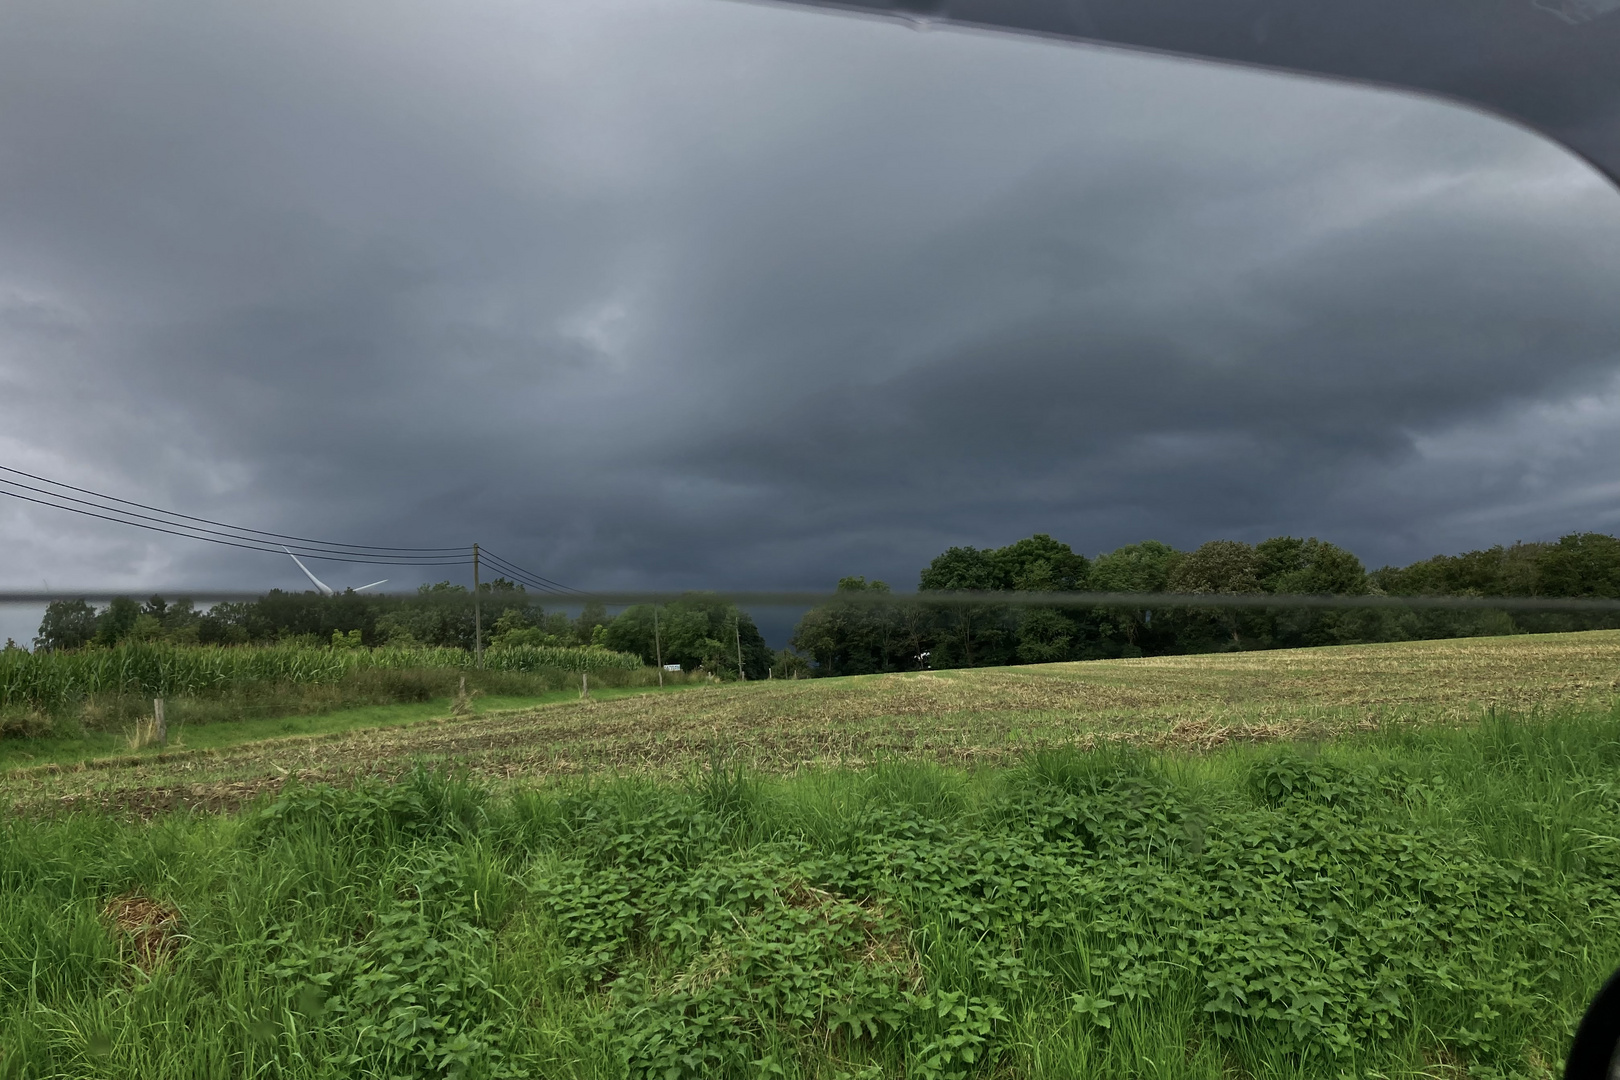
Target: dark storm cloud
{"x": 701, "y": 293}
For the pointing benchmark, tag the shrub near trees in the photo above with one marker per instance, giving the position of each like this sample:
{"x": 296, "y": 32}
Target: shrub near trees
{"x": 857, "y": 636}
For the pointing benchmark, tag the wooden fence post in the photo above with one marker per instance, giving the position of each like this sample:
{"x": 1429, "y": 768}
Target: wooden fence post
{"x": 160, "y": 726}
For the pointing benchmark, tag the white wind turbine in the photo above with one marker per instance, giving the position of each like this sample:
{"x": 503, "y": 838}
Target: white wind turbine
{"x": 327, "y": 590}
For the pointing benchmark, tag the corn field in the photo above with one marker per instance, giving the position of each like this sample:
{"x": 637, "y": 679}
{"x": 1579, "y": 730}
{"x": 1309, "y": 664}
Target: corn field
{"x": 44, "y": 680}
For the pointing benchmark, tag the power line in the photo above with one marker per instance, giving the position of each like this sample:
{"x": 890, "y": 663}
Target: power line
{"x": 542, "y": 582}
{"x": 209, "y": 521}
{"x": 524, "y": 582}
{"x": 528, "y": 577}
{"x": 519, "y": 572}
{"x": 174, "y": 523}
{"x": 200, "y": 533}
{"x": 378, "y": 560}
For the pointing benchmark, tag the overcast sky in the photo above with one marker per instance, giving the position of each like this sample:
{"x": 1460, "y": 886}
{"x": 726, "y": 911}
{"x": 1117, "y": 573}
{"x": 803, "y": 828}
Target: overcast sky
{"x": 685, "y": 293}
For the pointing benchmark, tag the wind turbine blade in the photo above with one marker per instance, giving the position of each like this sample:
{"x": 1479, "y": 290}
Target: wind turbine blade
{"x": 326, "y": 590}
{"x": 373, "y": 585}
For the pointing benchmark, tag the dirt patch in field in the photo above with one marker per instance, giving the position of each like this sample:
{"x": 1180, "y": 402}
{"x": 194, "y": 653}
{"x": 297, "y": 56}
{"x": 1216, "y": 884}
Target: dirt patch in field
{"x": 145, "y": 802}
{"x": 150, "y": 928}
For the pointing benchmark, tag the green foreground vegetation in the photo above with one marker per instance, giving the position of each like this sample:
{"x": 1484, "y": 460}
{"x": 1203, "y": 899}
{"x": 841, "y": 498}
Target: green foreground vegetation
{"x": 1392, "y": 860}
{"x": 1417, "y": 901}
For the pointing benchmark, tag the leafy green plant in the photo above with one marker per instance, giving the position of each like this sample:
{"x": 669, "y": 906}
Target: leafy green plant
{"x": 1422, "y": 896}
{"x": 413, "y": 996}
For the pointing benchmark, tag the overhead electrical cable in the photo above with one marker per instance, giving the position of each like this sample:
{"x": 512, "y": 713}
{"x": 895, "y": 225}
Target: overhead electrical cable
{"x": 173, "y": 523}
{"x": 112, "y": 508}
{"x": 524, "y": 580}
{"x": 446, "y": 561}
{"x": 221, "y": 524}
{"x": 525, "y": 577}
{"x": 307, "y": 548}
{"x": 506, "y": 564}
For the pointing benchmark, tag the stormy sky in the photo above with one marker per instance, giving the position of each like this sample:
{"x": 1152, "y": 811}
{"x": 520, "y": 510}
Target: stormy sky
{"x": 697, "y": 293}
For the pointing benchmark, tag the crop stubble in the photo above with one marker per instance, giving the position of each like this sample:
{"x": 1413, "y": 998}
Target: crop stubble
{"x": 957, "y": 717}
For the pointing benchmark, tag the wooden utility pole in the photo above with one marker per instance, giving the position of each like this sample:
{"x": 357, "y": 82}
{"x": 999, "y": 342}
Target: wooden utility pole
{"x": 736, "y": 628}
{"x": 658, "y": 648}
{"x": 478, "y": 617}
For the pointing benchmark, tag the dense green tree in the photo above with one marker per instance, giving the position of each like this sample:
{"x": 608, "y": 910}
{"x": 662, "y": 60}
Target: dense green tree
{"x": 1291, "y": 566}
{"x": 962, "y": 569}
{"x": 117, "y": 621}
{"x": 529, "y": 624}
{"x": 280, "y": 615}
{"x": 591, "y": 617}
{"x": 1040, "y": 564}
{"x": 1581, "y": 564}
{"x": 1287, "y": 564}
{"x": 68, "y": 624}
{"x": 966, "y": 635}
{"x": 632, "y": 631}
{"x": 851, "y": 637}
{"x": 1218, "y": 567}
{"x": 225, "y": 624}
{"x": 180, "y": 621}
{"x": 1144, "y": 567}
{"x": 695, "y": 631}
{"x": 1046, "y": 635}
{"x": 1141, "y": 568}
{"x": 1524, "y": 569}
{"x": 1495, "y": 571}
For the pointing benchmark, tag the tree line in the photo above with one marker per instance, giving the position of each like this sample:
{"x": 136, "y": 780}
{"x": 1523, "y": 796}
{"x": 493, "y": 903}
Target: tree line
{"x": 694, "y": 631}
{"x": 864, "y": 635}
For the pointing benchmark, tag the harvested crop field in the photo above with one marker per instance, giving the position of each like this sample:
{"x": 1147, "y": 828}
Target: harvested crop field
{"x": 971, "y": 717}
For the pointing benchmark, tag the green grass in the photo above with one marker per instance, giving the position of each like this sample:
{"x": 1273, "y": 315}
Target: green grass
{"x": 1434, "y": 900}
